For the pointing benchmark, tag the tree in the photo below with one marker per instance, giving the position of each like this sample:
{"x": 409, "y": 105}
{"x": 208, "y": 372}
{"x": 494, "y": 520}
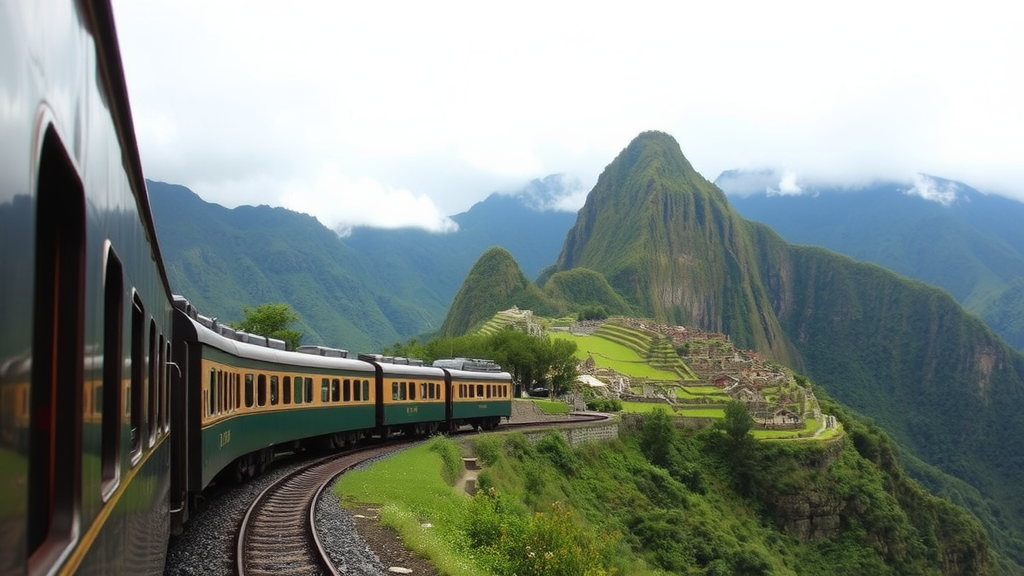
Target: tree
{"x": 561, "y": 359}
{"x": 517, "y": 352}
{"x": 270, "y": 320}
{"x": 657, "y": 435}
{"x": 738, "y": 421}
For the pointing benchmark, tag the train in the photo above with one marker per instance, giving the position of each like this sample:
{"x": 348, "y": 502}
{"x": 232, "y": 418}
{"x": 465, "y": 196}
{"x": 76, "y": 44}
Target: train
{"x": 243, "y": 398}
{"x": 120, "y": 403}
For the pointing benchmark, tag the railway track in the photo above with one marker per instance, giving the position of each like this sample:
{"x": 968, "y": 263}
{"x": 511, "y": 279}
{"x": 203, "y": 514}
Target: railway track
{"x": 278, "y": 534}
{"x": 211, "y": 543}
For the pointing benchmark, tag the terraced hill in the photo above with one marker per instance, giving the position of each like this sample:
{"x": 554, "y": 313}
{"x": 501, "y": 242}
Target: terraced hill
{"x": 656, "y": 349}
{"x": 521, "y": 319}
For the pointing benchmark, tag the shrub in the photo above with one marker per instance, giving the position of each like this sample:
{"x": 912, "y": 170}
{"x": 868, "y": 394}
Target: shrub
{"x": 552, "y": 544}
{"x": 604, "y": 404}
{"x": 488, "y": 449}
{"x": 557, "y": 450}
{"x": 451, "y": 458}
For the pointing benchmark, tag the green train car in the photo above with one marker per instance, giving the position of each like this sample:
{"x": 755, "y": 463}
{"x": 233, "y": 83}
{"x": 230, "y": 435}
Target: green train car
{"x": 239, "y": 399}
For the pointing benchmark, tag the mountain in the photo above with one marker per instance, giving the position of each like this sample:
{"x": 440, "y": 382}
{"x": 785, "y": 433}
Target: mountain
{"x": 428, "y": 268}
{"x": 900, "y": 351}
{"x": 497, "y": 283}
{"x": 362, "y": 292}
{"x": 935, "y": 230}
{"x": 494, "y": 283}
{"x": 666, "y": 239}
{"x": 223, "y": 259}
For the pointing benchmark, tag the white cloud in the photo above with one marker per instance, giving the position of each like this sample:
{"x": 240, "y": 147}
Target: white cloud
{"x": 341, "y": 203}
{"x": 928, "y": 188}
{"x": 787, "y": 185}
{"x": 454, "y": 100}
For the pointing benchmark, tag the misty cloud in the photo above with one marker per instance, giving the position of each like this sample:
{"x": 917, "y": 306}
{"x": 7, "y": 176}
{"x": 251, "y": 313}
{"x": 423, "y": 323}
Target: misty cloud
{"x": 929, "y": 188}
{"x": 341, "y": 203}
{"x": 451, "y": 102}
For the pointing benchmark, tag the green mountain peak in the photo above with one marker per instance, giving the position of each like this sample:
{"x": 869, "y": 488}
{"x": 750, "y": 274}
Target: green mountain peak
{"x": 494, "y": 283}
{"x": 666, "y": 238}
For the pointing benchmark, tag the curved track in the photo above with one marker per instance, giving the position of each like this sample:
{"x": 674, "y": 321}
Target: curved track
{"x": 278, "y": 535}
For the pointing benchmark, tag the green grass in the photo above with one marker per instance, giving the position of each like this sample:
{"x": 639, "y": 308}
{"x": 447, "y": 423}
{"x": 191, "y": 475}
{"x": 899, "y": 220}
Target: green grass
{"x": 622, "y": 359}
{"x": 388, "y": 483}
{"x": 548, "y": 406}
{"x": 704, "y": 391}
{"x": 647, "y": 407}
{"x": 702, "y": 412}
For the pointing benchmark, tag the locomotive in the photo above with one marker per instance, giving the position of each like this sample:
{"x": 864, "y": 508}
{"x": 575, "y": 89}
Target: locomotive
{"x": 118, "y": 404}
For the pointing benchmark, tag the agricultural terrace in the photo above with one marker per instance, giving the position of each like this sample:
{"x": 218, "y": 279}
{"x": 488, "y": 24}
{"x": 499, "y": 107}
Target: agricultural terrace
{"x": 652, "y": 364}
{"x": 608, "y": 354}
{"x": 632, "y": 352}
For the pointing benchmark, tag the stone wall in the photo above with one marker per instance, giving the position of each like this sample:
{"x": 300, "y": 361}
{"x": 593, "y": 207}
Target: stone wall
{"x": 577, "y": 436}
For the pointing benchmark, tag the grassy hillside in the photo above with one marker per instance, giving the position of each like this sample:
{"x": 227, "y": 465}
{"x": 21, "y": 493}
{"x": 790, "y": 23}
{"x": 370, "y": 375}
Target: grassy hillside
{"x": 663, "y": 500}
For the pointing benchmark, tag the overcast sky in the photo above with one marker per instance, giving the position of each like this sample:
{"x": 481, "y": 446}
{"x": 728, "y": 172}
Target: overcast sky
{"x": 401, "y": 113}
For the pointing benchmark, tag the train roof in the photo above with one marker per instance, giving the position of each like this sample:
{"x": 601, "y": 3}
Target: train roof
{"x": 266, "y": 354}
{"x": 479, "y": 376}
{"x": 410, "y": 370}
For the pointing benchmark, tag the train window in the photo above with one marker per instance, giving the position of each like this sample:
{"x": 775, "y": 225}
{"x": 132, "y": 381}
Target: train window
{"x": 394, "y": 390}
{"x": 273, "y": 390}
{"x": 423, "y": 390}
{"x": 308, "y": 390}
{"x": 412, "y": 390}
{"x": 261, "y": 389}
{"x": 366, "y": 390}
{"x": 472, "y": 391}
{"x": 208, "y": 393}
{"x": 347, "y": 391}
{"x": 218, "y": 393}
{"x": 249, "y": 392}
{"x": 166, "y": 375}
{"x": 152, "y": 364}
{"x": 298, "y": 390}
{"x": 110, "y": 399}
{"x": 335, "y": 390}
{"x": 137, "y": 376}
{"x": 161, "y": 387}
{"x": 55, "y": 403}
{"x": 480, "y": 390}
{"x": 325, "y": 390}
{"x": 222, "y": 391}
{"x": 356, "y": 389}
{"x": 286, "y": 390}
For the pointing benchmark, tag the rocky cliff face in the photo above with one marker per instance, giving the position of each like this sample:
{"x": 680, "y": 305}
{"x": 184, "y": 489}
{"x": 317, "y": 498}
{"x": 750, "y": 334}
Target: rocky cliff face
{"x": 809, "y": 515}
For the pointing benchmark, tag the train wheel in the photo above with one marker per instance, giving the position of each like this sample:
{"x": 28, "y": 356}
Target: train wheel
{"x": 337, "y": 441}
{"x": 244, "y": 468}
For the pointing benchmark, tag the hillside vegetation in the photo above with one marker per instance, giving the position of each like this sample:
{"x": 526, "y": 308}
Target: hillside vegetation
{"x": 664, "y": 500}
{"x": 970, "y": 244}
{"x": 897, "y": 350}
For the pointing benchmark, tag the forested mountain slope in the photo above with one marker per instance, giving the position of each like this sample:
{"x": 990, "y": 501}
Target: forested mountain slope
{"x": 942, "y": 232}
{"x": 897, "y": 350}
